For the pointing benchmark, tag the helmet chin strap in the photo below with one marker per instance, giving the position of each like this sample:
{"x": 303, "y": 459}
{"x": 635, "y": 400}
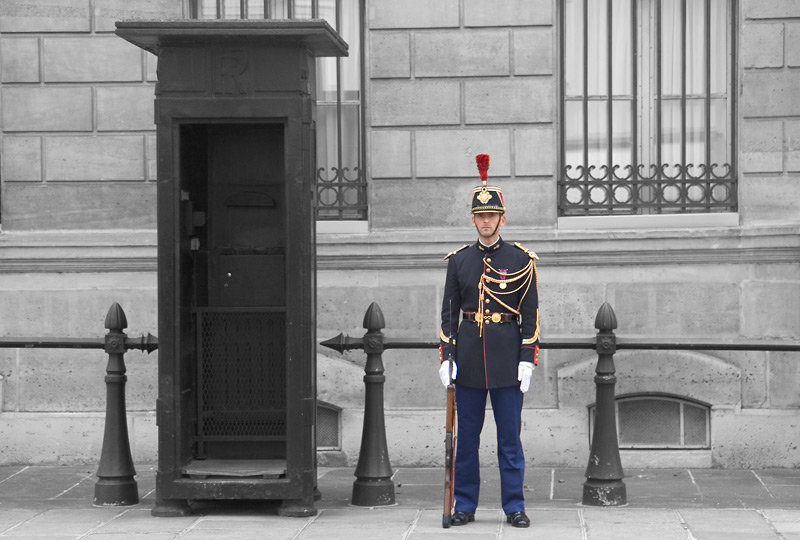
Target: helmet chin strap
{"x": 496, "y": 227}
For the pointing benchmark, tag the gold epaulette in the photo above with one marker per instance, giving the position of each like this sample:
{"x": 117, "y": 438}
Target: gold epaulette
{"x": 530, "y": 253}
{"x": 456, "y": 251}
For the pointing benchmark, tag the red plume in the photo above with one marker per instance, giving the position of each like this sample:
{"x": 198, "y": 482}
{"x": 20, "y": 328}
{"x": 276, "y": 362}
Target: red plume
{"x": 483, "y": 166}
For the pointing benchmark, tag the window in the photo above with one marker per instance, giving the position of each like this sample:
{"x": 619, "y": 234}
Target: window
{"x": 341, "y": 184}
{"x": 660, "y": 422}
{"x": 647, "y": 107}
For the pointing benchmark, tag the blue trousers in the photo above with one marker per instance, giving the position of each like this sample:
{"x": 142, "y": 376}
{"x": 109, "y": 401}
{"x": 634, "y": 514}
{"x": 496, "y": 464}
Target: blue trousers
{"x": 471, "y": 411}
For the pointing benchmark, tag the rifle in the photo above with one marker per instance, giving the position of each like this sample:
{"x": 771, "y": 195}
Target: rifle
{"x": 450, "y": 437}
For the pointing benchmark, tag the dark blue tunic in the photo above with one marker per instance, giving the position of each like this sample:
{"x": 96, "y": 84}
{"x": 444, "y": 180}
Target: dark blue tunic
{"x": 488, "y": 354}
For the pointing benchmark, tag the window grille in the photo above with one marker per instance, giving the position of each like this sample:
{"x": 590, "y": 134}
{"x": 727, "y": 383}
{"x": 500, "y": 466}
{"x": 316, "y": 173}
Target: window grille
{"x": 340, "y": 178}
{"x": 660, "y": 422}
{"x": 647, "y": 107}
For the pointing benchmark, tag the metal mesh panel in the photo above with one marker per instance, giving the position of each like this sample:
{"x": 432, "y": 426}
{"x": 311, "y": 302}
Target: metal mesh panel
{"x": 649, "y": 422}
{"x": 327, "y": 427}
{"x": 242, "y": 374}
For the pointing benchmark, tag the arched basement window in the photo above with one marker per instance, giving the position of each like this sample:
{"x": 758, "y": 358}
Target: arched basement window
{"x": 659, "y": 422}
{"x": 328, "y": 427}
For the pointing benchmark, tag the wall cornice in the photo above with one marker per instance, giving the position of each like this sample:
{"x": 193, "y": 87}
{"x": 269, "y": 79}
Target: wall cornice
{"x": 135, "y": 250}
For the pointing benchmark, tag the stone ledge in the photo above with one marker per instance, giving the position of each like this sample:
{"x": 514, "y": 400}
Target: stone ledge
{"x": 135, "y": 249}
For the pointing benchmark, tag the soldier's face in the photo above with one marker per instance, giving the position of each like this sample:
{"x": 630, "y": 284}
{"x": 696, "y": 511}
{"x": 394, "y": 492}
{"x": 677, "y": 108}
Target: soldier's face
{"x": 488, "y": 224}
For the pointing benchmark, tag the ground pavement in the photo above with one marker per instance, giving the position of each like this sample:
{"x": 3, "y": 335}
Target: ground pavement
{"x": 55, "y": 503}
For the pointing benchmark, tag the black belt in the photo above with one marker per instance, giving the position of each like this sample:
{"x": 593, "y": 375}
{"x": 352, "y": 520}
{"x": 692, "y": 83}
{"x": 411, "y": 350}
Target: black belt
{"x": 495, "y": 317}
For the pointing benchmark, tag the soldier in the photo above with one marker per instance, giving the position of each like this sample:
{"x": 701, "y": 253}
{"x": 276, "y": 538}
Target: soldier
{"x": 493, "y": 283}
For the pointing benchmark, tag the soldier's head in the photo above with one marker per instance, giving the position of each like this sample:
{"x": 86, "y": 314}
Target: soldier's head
{"x": 488, "y": 208}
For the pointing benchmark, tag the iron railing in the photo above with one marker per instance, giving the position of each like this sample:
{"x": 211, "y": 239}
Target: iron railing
{"x": 116, "y": 485}
{"x": 604, "y": 474}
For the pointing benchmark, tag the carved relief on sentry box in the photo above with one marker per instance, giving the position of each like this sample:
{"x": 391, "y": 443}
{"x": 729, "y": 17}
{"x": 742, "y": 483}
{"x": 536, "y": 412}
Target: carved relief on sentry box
{"x": 232, "y": 72}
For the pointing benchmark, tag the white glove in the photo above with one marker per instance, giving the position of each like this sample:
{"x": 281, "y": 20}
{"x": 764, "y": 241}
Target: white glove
{"x": 524, "y": 372}
{"x": 443, "y": 373}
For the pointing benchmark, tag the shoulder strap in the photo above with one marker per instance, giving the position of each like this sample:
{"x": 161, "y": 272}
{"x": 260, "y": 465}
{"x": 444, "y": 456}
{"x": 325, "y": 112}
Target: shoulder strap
{"x": 456, "y": 251}
{"x": 530, "y": 253}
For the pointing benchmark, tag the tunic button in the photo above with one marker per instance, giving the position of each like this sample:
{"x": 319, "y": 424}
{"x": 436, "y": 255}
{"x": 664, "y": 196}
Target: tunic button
{"x": 487, "y": 311}
{"x": 488, "y": 259}
{"x": 487, "y": 300}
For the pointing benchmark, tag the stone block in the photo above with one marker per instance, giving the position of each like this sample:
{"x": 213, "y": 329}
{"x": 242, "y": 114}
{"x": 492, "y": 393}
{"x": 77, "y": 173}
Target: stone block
{"x": 22, "y": 159}
{"x": 775, "y": 9}
{"x": 769, "y": 309}
{"x": 533, "y": 51}
{"x": 151, "y": 157}
{"x": 88, "y": 59}
{"x": 508, "y": 12}
{"x": 151, "y": 61}
{"x": 550, "y": 437}
{"x": 567, "y": 308}
{"x": 509, "y": 101}
{"x": 529, "y": 203}
{"x": 755, "y": 438}
{"x": 342, "y": 308}
{"x": 79, "y": 206}
{"x": 47, "y": 109}
{"x": 44, "y": 16}
{"x": 58, "y": 438}
{"x": 470, "y": 53}
{"x": 8, "y": 380}
{"x": 770, "y": 93}
{"x": 676, "y": 309}
{"x": 143, "y": 435}
{"x": 109, "y": 11}
{"x": 793, "y": 44}
{"x": 20, "y": 61}
{"x": 446, "y": 204}
{"x": 535, "y": 151}
{"x": 768, "y": 199}
{"x": 62, "y": 380}
{"x": 125, "y": 108}
{"x": 421, "y": 103}
{"x": 793, "y": 146}
{"x": 413, "y": 14}
{"x": 411, "y": 380}
{"x": 340, "y": 380}
{"x": 390, "y": 154}
{"x": 762, "y": 45}
{"x": 141, "y": 390}
{"x": 75, "y": 306}
{"x": 784, "y": 372}
{"x": 389, "y": 55}
{"x": 451, "y": 153}
{"x": 762, "y": 146}
{"x": 753, "y": 365}
{"x": 687, "y": 374}
{"x": 104, "y": 157}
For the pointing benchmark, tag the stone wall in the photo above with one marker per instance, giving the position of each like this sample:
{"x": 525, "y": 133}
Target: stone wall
{"x": 445, "y": 80}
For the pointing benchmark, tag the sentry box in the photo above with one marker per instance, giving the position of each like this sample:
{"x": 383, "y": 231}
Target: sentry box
{"x": 235, "y": 110}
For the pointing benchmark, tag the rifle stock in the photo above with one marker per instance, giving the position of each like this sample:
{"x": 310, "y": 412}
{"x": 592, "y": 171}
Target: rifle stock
{"x": 449, "y": 456}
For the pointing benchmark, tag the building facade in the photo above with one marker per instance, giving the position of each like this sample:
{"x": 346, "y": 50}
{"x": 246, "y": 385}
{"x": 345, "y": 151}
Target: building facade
{"x": 649, "y": 152}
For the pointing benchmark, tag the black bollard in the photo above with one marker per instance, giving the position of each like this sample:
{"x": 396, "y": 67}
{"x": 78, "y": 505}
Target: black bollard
{"x": 116, "y": 485}
{"x": 604, "y": 486}
{"x": 373, "y": 485}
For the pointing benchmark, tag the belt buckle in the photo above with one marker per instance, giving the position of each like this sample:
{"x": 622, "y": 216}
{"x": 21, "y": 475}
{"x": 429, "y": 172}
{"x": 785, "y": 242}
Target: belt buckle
{"x": 496, "y": 318}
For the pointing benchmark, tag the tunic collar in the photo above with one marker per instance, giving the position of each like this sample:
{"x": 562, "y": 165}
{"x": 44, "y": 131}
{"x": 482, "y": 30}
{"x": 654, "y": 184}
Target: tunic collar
{"x": 490, "y": 249}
